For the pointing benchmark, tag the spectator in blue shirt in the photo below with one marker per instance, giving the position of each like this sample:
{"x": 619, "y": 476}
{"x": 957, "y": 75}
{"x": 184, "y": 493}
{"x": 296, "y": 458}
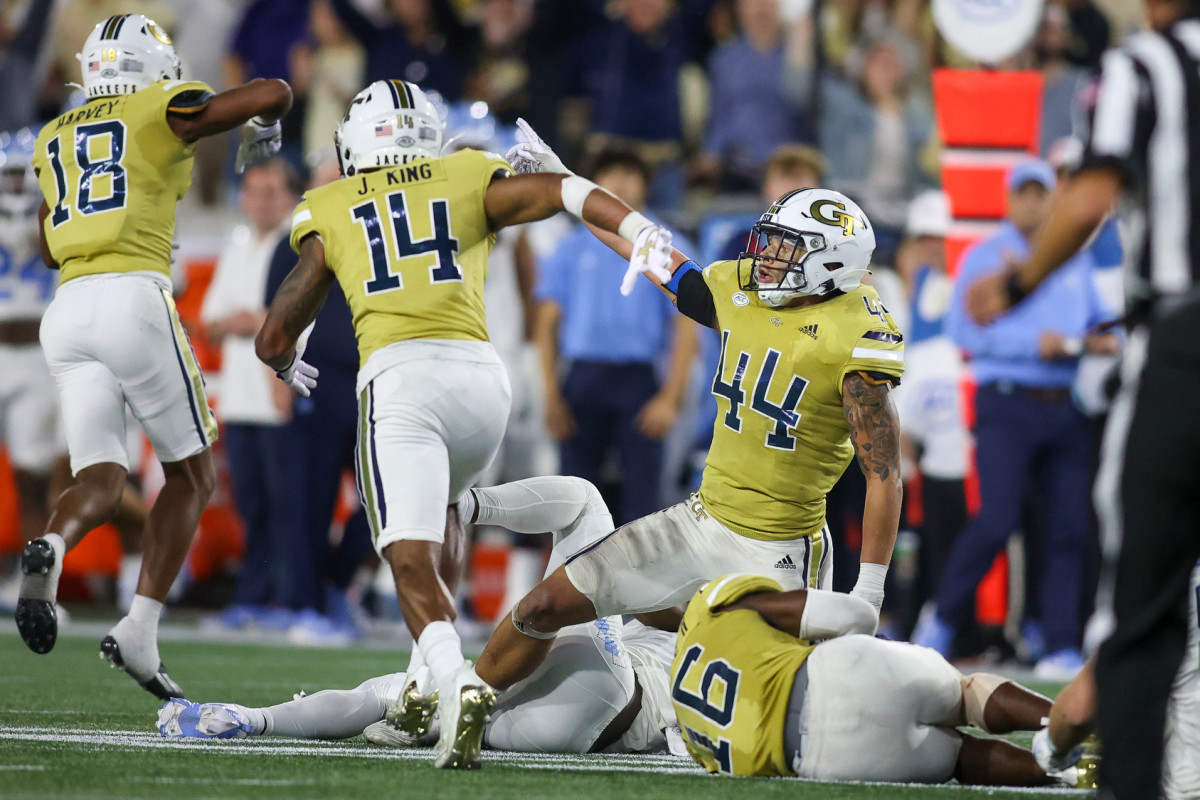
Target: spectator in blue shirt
{"x": 611, "y": 398}
{"x": 1028, "y": 431}
{"x": 421, "y": 41}
{"x": 755, "y": 108}
{"x": 629, "y": 69}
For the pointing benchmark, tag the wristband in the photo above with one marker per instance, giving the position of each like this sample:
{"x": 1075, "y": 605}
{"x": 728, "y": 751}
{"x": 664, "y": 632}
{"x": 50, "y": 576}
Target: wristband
{"x": 632, "y": 225}
{"x": 575, "y": 191}
{"x": 871, "y": 578}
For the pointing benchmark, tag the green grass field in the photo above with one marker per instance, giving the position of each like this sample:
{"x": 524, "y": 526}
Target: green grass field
{"x": 72, "y": 728}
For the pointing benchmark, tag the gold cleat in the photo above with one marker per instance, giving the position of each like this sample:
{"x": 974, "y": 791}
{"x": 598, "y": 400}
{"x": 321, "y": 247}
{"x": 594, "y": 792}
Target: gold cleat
{"x": 411, "y": 715}
{"x": 1089, "y": 765}
{"x": 1085, "y": 772}
{"x": 462, "y": 733}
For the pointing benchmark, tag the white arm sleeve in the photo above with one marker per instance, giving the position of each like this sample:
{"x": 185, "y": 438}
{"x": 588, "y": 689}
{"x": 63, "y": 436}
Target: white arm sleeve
{"x": 831, "y": 614}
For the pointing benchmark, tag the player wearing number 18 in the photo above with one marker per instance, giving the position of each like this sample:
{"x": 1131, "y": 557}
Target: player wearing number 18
{"x": 407, "y": 235}
{"x": 111, "y": 172}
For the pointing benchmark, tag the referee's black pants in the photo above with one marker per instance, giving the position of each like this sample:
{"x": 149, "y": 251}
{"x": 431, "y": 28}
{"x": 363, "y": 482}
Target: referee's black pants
{"x": 1148, "y": 497}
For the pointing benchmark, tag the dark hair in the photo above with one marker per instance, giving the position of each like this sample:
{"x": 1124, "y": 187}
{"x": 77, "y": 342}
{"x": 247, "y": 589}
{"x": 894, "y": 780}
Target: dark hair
{"x": 291, "y": 176}
{"x": 620, "y": 158}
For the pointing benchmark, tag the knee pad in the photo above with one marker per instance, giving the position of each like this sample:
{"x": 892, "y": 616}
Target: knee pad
{"x": 526, "y": 629}
{"x": 977, "y": 689}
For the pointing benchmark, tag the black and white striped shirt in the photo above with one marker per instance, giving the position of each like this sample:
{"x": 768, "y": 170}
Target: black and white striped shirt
{"x": 1146, "y": 122}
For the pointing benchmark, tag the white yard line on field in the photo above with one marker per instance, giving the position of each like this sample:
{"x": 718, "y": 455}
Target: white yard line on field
{"x": 140, "y": 740}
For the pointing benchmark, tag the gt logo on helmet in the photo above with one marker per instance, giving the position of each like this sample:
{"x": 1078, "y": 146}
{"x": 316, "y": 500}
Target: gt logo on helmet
{"x": 839, "y": 217}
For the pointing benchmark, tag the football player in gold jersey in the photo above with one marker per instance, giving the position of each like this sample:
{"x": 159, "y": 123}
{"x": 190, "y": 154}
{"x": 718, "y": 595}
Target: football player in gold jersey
{"x": 407, "y": 235}
{"x": 111, "y": 172}
{"x": 808, "y": 357}
{"x": 773, "y": 683}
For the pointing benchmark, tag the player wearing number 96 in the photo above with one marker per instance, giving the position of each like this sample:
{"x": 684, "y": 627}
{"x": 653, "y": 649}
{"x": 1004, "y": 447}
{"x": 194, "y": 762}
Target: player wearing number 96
{"x": 773, "y": 683}
{"x": 111, "y": 172}
{"x": 407, "y": 234}
{"x": 807, "y": 362}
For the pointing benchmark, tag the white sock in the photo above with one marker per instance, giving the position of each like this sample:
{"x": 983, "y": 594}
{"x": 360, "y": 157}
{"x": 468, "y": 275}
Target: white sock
{"x": 415, "y": 659}
{"x": 146, "y": 610}
{"x": 137, "y": 634}
{"x": 128, "y": 574}
{"x": 442, "y": 650}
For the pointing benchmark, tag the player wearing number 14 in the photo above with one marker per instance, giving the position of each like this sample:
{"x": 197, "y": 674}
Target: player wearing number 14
{"x": 407, "y": 234}
{"x": 111, "y": 172}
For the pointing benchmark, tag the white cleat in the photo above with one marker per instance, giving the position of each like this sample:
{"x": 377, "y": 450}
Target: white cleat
{"x": 463, "y": 707}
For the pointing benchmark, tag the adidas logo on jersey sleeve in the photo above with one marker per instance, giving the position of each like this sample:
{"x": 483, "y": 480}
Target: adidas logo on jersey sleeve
{"x": 785, "y": 563}
{"x": 809, "y": 330}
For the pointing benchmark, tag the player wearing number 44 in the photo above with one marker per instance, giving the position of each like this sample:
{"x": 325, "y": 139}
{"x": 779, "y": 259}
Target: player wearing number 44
{"x": 111, "y": 172}
{"x": 407, "y": 234}
{"x": 808, "y": 359}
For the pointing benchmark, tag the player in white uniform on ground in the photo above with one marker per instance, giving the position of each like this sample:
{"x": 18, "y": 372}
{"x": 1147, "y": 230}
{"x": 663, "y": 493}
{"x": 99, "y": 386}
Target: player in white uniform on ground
{"x": 28, "y": 403}
{"x": 603, "y": 685}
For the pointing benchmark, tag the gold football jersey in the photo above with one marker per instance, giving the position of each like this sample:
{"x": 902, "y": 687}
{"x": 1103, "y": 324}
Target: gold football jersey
{"x": 731, "y": 679}
{"x": 780, "y": 439}
{"x": 112, "y": 171}
{"x": 409, "y": 245}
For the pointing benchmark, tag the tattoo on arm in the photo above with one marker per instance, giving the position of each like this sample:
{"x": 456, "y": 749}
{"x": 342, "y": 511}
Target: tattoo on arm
{"x": 874, "y": 427}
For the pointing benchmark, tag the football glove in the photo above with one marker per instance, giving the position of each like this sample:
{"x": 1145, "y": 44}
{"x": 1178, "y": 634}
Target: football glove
{"x": 652, "y": 252}
{"x": 299, "y": 375}
{"x": 532, "y": 155}
{"x": 260, "y": 141}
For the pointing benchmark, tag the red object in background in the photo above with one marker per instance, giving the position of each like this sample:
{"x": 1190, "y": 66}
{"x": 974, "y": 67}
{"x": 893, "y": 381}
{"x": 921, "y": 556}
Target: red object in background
{"x": 991, "y": 596}
{"x": 976, "y": 191}
{"x": 988, "y": 108}
{"x": 489, "y": 564}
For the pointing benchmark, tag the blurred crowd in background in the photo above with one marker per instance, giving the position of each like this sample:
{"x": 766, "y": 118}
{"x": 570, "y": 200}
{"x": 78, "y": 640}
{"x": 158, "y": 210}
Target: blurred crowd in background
{"x": 702, "y": 112}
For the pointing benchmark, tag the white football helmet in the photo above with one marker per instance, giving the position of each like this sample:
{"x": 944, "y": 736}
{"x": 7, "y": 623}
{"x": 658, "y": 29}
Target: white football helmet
{"x": 388, "y": 123}
{"x": 19, "y": 192}
{"x": 126, "y": 53}
{"x": 820, "y": 238}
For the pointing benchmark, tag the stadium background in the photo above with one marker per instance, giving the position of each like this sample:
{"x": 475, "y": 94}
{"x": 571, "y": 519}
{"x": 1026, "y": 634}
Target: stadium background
{"x": 657, "y": 77}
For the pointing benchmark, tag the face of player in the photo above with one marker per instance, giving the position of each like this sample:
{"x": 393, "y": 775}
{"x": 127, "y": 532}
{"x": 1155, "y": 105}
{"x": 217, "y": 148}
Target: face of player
{"x": 266, "y": 201}
{"x": 773, "y": 260}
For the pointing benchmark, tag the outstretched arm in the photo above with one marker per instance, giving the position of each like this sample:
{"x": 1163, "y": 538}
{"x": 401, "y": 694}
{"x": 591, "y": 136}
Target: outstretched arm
{"x": 267, "y": 99}
{"x": 295, "y": 306}
{"x": 875, "y": 434}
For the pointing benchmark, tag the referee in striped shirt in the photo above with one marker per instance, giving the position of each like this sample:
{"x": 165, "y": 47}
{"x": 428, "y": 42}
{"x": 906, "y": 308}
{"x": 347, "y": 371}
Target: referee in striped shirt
{"x": 1144, "y": 144}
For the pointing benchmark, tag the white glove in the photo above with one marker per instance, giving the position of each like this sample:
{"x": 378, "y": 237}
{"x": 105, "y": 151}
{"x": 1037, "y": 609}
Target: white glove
{"x": 531, "y": 155}
{"x": 299, "y": 375}
{"x": 260, "y": 141}
{"x": 1049, "y": 759}
{"x": 652, "y": 253}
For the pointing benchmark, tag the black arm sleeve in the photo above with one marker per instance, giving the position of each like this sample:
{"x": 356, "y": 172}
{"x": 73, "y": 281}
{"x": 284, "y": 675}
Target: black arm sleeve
{"x": 694, "y": 299}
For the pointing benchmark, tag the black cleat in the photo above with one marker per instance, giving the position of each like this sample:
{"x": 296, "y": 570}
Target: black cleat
{"x": 160, "y": 685}
{"x": 37, "y": 618}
